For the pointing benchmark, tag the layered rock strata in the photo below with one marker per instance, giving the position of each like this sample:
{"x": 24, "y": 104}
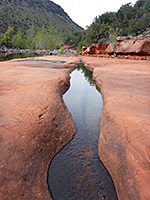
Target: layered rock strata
{"x": 98, "y": 48}
{"x": 137, "y": 49}
{"x": 130, "y": 47}
{"x": 124, "y": 142}
{"x": 34, "y": 124}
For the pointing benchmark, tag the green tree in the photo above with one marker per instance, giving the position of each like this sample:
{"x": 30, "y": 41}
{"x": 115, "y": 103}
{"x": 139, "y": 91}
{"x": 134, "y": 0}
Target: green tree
{"x": 74, "y": 39}
{"x": 30, "y": 34}
{"x": 6, "y": 38}
{"x": 53, "y": 38}
{"x": 39, "y": 40}
{"x": 1, "y": 38}
{"x": 18, "y": 40}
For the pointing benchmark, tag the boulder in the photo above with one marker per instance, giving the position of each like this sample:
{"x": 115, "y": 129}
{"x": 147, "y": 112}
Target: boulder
{"x": 84, "y": 47}
{"x": 98, "y": 48}
{"x": 130, "y": 46}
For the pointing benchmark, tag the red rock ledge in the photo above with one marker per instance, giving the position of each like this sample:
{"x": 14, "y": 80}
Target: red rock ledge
{"x": 34, "y": 124}
{"x": 124, "y": 143}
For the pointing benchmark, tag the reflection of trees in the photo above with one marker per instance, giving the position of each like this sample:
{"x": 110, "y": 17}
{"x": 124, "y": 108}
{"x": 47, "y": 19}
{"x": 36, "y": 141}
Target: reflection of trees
{"x": 6, "y": 56}
{"x": 87, "y": 73}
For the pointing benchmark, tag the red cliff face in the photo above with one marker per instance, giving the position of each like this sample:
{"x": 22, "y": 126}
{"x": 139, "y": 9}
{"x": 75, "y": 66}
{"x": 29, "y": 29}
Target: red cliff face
{"x": 124, "y": 143}
{"x": 34, "y": 125}
{"x": 138, "y": 49}
{"x": 130, "y": 47}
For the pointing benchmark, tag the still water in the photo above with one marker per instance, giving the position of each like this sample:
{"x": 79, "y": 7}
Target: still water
{"x": 75, "y": 172}
{"x": 6, "y": 57}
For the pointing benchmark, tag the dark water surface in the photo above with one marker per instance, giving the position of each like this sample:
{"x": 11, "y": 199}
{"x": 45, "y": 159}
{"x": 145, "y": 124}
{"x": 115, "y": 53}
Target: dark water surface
{"x": 76, "y": 172}
{"x": 18, "y": 55}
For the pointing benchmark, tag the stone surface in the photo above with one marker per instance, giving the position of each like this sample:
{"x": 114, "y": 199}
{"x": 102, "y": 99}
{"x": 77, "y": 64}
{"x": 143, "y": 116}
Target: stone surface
{"x": 124, "y": 143}
{"x": 131, "y": 46}
{"x": 34, "y": 124}
{"x": 98, "y": 48}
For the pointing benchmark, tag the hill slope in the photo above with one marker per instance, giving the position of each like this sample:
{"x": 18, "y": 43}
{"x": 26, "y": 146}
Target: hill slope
{"x": 25, "y": 13}
{"x": 128, "y": 20}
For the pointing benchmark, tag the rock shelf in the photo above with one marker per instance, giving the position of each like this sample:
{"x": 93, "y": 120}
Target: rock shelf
{"x": 124, "y": 143}
{"x": 34, "y": 125}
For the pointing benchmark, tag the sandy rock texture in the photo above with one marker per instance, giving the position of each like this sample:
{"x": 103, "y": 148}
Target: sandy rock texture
{"x": 124, "y": 143}
{"x": 34, "y": 124}
{"x": 98, "y": 48}
{"x": 136, "y": 49}
{"x": 131, "y": 46}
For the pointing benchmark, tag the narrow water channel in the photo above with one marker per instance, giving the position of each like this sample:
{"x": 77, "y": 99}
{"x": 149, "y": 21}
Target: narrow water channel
{"x": 76, "y": 173}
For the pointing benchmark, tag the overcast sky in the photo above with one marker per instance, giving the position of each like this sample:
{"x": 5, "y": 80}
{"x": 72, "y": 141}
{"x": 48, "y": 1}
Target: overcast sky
{"x": 84, "y": 11}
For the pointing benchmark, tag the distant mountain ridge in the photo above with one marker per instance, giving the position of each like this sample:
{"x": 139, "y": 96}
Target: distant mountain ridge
{"x": 25, "y": 13}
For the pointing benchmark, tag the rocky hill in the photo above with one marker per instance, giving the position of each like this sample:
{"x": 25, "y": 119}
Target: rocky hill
{"x": 39, "y": 13}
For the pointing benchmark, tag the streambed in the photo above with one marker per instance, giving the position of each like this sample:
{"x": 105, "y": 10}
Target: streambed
{"x": 76, "y": 173}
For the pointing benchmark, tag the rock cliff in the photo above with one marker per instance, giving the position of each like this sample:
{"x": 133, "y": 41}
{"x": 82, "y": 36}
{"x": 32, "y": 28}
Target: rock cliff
{"x": 129, "y": 48}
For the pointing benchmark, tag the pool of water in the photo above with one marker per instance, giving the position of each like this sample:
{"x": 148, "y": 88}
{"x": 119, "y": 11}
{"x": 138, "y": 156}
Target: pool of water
{"x": 18, "y": 55}
{"x": 76, "y": 173}
{"x": 49, "y": 61}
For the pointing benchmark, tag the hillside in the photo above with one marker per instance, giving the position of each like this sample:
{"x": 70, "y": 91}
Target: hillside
{"x": 38, "y": 13}
{"x": 129, "y": 20}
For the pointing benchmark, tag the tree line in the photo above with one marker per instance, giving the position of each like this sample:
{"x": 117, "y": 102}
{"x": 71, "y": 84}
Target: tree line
{"x": 32, "y": 38}
{"x": 128, "y": 20}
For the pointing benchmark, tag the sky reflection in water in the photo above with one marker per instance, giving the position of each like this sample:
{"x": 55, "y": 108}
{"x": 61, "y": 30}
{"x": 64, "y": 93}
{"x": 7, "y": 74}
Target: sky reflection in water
{"x": 76, "y": 172}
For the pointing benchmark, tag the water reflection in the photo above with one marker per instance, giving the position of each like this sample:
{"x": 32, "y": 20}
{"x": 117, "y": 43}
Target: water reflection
{"x": 76, "y": 172}
{"x": 87, "y": 73}
{"x": 5, "y": 57}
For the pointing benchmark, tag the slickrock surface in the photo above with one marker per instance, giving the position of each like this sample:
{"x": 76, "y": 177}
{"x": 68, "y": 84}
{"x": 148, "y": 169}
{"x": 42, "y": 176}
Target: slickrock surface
{"x": 124, "y": 143}
{"x": 34, "y": 124}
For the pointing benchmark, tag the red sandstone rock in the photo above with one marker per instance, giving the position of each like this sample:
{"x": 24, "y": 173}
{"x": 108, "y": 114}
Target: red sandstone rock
{"x": 132, "y": 47}
{"x": 34, "y": 125}
{"x": 98, "y": 48}
{"x": 124, "y": 143}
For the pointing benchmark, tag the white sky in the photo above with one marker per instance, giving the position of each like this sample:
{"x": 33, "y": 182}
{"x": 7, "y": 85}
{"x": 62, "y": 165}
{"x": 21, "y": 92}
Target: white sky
{"x": 84, "y": 11}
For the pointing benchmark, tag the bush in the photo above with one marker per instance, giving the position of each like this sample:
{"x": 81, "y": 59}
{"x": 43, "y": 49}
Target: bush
{"x": 61, "y": 51}
{"x": 80, "y": 44}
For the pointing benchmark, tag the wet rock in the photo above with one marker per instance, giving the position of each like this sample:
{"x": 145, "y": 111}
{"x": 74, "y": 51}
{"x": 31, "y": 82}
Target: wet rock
{"x": 124, "y": 146}
{"x": 34, "y": 124}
